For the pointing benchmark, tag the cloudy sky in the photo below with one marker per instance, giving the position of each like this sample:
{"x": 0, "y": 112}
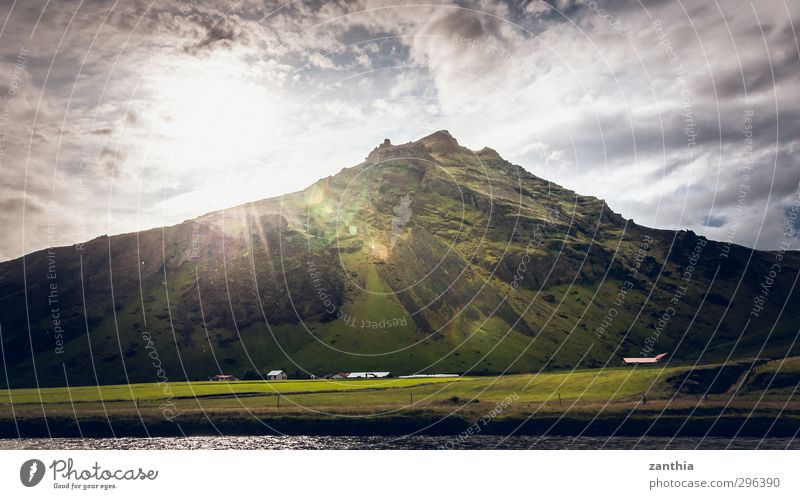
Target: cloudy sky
{"x": 123, "y": 115}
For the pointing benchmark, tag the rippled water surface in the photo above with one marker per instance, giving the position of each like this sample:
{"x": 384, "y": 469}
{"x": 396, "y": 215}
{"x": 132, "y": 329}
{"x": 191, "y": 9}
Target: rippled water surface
{"x": 412, "y": 442}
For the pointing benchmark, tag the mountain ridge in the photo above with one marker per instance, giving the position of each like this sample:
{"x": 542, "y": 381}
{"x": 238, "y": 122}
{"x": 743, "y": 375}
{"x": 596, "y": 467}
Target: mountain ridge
{"x": 425, "y": 257}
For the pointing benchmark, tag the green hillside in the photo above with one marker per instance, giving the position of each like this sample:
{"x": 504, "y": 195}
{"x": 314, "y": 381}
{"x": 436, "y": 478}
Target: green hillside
{"x": 426, "y": 257}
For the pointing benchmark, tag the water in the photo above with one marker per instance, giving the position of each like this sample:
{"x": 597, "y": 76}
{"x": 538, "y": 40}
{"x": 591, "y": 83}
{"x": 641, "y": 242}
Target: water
{"x": 399, "y": 442}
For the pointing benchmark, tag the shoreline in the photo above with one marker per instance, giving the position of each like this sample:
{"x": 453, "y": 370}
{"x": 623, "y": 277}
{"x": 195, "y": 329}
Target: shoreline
{"x": 427, "y": 424}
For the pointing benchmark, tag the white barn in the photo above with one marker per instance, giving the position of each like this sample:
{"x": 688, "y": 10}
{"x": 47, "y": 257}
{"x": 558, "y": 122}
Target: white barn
{"x": 276, "y": 375}
{"x": 644, "y": 360}
{"x": 368, "y": 374}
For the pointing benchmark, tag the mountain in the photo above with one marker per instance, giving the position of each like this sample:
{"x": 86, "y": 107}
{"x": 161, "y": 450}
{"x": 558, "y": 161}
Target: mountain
{"x": 426, "y": 257}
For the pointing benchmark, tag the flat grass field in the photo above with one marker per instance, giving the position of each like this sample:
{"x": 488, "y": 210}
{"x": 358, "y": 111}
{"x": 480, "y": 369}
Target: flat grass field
{"x": 766, "y": 390}
{"x": 594, "y": 385}
{"x": 581, "y": 386}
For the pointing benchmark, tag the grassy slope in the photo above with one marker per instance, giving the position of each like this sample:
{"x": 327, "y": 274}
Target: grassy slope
{"x": 148, "y": 392}
{"x": 604, "y": 399}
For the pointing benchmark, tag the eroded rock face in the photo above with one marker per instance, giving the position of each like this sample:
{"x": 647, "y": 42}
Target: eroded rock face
{"x": 387, "y": 151}
{"x": 440, "y": 143}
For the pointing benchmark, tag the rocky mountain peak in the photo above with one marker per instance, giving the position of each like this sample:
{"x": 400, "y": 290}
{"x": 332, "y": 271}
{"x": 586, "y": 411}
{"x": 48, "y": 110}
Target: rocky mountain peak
{"x": 489, "y": 153}
{"x": 440, "y": 142}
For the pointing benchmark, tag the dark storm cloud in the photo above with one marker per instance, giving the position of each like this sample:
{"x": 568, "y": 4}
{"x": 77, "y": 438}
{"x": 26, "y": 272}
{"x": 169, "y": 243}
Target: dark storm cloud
{"x": 467, "y": 24}
{"x": 614, "y": 136}
{"x": 215, "y": 32}
{"x": 13, "y": 204}
{"x": 769, "y": 61}
{"x": 758, "y": 76}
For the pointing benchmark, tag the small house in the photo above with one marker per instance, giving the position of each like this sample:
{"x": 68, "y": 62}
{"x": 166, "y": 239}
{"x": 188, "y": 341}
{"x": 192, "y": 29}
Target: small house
{"x": 644, "y": 360}
{"x": 276, "y": 375}
{"x": 223, "y": 377}
{"x": 339, "y": 375}
{"x": 368, "y": 375}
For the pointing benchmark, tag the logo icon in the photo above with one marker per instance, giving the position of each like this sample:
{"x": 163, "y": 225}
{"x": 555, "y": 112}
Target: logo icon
{"x": 31, "y": 472}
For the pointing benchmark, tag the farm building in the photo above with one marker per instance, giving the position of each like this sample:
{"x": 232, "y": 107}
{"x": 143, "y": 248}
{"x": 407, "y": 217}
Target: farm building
{"x": 368, "y": 374}
{"x": 339, "y": 375}
{"x": 411, "y": 376}
{"x": 223, "y": 377}
{"x": 644, "y": 360}
{"x": 276, "y": 375}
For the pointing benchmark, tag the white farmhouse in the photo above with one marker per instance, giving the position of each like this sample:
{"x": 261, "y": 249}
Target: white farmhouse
{"x": 276, "y": 375}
